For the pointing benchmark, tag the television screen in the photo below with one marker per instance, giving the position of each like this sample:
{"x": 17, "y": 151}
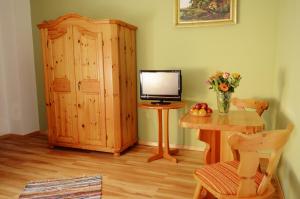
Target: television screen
{"x": 162, "y": 85}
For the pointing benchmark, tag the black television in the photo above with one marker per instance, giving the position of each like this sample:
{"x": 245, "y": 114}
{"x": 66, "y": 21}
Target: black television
{"x": 161, "y": 85}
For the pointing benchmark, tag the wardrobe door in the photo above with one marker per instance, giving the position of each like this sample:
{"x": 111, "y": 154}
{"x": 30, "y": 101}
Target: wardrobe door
{"x": 88, "y": 51}
{"x": 61, "y": 79}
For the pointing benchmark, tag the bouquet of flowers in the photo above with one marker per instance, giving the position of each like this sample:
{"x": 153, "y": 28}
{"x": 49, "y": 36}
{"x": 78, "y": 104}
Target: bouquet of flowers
{"x": 224, "y": 81}
{"x": 224, "y": 84}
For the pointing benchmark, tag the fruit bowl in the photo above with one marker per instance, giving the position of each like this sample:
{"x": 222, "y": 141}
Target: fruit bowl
{"x": 200, "y": 109}
{"x": 199, "y": 115}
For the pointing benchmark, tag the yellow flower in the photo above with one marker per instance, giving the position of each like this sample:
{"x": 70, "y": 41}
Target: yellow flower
{"x": 236, "y": 75}
{"x": 218, "y": 74}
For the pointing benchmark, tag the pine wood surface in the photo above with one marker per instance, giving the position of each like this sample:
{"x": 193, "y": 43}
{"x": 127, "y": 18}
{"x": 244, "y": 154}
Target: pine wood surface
{"x": 163, "y": 128}
{"x": 241, "y": 121}
{"x": 90, "y": 83}
{"x": 26, "y": 158}
{"x": 172, "y": 105}
{"x": 77, "y": 17}
{"x": 242, "y": 104}
{"x": 213, "y": 130}
{"x": 258, "y": 105}
{"x": 248, "y": 147}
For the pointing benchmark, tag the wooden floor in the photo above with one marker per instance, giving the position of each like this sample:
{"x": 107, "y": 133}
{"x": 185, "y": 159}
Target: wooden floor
{"x": 26, "y": 158}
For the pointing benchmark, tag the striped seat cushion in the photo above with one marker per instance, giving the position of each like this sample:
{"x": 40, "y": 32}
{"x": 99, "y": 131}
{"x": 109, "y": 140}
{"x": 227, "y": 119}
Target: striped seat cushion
{"x": 222, "y": 177}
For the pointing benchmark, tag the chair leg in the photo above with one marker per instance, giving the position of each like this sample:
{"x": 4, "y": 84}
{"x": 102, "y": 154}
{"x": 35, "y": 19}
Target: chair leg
{"x": 197, "y": 193}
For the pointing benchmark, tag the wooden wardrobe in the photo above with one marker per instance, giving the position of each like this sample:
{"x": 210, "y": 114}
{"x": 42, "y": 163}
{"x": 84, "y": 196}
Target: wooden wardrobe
{"x": 90, "y": 83}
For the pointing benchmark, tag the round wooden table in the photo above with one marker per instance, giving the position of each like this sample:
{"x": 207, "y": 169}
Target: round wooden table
{"x": 165, "y": 152}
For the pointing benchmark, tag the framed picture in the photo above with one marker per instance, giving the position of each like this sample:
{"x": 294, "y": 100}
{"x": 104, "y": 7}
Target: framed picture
{"x": 205, "y": 12}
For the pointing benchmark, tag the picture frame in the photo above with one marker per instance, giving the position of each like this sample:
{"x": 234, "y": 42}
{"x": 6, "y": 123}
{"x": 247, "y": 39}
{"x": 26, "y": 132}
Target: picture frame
{"x": 189, "y": 13}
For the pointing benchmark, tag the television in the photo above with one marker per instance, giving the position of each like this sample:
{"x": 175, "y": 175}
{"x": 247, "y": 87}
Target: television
{"x": 161, "y": 85}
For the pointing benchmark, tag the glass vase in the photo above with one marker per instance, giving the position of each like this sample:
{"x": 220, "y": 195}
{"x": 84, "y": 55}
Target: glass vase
{"x": 223, "y": 101}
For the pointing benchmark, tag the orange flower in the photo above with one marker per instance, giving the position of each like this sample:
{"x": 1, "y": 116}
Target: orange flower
{"x": 223, "y": 87}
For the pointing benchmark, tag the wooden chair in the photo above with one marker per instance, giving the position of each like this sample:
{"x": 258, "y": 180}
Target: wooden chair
{"x": 242, "y": 104}
{"x": 241, "y": 179}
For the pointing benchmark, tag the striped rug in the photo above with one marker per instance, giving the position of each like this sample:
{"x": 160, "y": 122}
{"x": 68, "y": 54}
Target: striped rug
{"x": 75, "y": 188}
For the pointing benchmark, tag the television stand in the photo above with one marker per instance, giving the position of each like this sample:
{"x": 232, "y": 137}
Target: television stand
{"x": 163, "y": 129}
{"x": 161, "y": 102}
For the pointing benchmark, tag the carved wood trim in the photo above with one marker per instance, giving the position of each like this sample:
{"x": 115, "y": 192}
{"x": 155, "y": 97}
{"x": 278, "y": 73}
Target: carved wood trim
{"x": 52, "y": 23}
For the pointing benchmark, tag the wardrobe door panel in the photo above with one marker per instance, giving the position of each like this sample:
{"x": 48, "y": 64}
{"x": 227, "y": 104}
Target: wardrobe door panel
{"x": 90, "y": 88}
{"x": 62, "y": 85}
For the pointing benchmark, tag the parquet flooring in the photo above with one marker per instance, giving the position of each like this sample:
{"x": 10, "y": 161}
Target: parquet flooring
{"x": 26, "y": 158}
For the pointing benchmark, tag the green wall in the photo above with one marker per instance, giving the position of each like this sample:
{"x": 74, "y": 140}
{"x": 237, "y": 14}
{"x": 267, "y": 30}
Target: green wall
{"x": 287, "y": 91}
{"x": 263, "y": 47}
{"x": 247, "y": 47}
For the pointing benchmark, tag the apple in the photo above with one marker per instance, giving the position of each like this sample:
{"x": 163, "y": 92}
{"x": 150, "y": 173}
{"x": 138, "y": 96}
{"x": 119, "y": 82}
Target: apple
{"x": 209, "y": 110}
{"x": 202, "y": 112}
{"x": 198, "y": 106}
{"x": 204, "y": 105}
{"x": 201, "y": 109}
{"x": 194, "y": 110}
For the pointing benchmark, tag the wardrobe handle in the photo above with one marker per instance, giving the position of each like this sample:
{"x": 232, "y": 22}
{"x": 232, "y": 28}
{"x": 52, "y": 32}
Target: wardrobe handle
{"x": 78, "y": 85}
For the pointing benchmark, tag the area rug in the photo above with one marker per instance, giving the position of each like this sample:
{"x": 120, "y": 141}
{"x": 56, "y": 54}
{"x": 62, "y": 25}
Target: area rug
{"x": 75, "y": 188}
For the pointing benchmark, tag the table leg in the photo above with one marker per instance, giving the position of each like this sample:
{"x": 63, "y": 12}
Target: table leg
{"x": 159, "y": 153}
{"x": 212, "y": 151}
{"x": 167, "y": 152}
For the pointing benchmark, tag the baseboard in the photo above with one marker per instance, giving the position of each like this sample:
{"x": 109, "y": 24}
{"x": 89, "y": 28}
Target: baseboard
{"x": 7, "y": 135}
{"x": 45, "y": 132}
{"x": 177, "y": 146}
{"x": 21, "y": 134}
{"x": 33, "y": 133}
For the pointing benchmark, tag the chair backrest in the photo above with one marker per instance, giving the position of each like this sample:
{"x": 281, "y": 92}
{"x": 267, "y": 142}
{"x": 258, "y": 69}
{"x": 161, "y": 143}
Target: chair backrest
{"x": 242, "y": 104}
{"x": 248, "y": 147}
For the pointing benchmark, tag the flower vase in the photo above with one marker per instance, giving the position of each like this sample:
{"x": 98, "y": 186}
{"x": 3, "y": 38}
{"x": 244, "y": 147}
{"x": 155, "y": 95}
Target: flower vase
{"x": 223, "y": 101}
